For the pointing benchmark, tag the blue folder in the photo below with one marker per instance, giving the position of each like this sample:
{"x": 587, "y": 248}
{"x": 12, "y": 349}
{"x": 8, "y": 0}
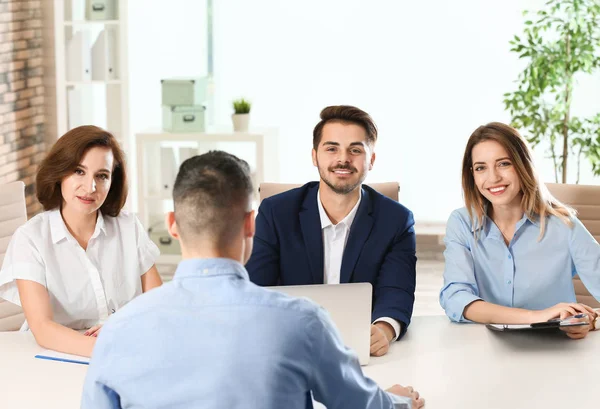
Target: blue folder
{"x": 52, "y": 358}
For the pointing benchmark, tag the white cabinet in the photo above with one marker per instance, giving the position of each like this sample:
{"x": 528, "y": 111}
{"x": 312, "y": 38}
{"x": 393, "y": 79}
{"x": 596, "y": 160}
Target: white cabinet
{"x": 85, "y": 68}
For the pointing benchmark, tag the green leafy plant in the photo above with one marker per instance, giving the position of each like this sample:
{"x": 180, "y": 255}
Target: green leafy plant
{"x": 241, "y": 106}
{"x": 559, "y": 42}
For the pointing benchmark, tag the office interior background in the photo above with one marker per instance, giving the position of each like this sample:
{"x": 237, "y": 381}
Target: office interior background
{"x": 429, "y": 73}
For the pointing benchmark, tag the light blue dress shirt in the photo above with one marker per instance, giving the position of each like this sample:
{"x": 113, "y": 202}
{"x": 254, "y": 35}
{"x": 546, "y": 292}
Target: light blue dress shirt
{"x": 528, "y": 273}
{"x": 212, "y": 339}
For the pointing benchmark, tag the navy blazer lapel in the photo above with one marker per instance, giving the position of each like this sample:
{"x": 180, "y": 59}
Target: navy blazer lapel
{"x": 310, "y": 224}
{"x": 359, "y": 233}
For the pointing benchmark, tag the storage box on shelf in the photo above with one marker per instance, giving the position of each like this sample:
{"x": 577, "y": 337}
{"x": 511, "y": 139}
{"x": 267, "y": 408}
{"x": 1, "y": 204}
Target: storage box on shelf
{"x": 184, "y": 104}
{"x": 184, "y": 118}
{"x": 101, "y": 9}
{"x": 184, "y": 91}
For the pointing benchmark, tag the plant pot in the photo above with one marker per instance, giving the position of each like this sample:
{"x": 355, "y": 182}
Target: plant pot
{"x": 240, "y": 122}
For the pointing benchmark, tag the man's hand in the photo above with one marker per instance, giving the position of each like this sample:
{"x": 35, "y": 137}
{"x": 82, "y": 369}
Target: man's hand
{"x": 408, "y": 392}
{"x": 381, "y": 335}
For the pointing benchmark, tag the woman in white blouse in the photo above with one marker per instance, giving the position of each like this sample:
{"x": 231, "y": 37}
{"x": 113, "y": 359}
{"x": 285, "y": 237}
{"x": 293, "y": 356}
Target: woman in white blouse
{"x": 83, "y": 258}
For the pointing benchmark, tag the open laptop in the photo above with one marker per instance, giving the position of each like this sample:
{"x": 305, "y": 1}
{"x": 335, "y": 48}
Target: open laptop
{"x": 349, "y": 306}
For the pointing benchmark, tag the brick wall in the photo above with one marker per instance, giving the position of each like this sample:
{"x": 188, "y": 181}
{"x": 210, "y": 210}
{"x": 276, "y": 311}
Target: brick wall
{"x": 22, "y": 144}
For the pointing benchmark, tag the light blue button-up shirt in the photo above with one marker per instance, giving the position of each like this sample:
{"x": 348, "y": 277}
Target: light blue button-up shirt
{"x": 527, "y": 273}
{"x": 212, "y": 339}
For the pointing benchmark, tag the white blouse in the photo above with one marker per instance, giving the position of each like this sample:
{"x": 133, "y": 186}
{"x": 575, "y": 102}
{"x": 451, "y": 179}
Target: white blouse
{"x": 85, "y": 286}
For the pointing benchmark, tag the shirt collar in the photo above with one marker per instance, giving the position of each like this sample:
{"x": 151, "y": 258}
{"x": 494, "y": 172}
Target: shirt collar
{"x": 100, "y": 225}
{"x": 205, "y": 267}
{"x": 326, "y": 222}
{"x": 535, "y": 220}
{"x": 491, "y": 230}
{"x": 59, "y": 229}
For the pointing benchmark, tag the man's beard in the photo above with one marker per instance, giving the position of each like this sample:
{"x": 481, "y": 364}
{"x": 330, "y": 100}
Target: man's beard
{"x": 341, "y": 189}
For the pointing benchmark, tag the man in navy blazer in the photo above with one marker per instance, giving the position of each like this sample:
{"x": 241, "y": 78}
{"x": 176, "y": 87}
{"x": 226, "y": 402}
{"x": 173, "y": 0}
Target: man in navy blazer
{"x": 337, "y": 230}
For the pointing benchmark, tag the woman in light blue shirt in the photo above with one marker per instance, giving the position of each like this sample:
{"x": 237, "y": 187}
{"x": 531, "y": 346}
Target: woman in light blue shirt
{"x": 512, "y": 251}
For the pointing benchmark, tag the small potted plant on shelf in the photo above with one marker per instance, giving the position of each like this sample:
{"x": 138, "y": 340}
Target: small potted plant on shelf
{"x": 241, "y": 115}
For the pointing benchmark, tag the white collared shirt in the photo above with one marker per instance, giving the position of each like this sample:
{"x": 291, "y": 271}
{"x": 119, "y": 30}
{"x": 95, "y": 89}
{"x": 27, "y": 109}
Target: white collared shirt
{"x": 85, "y": 286}
{"x": 335, "y": 237}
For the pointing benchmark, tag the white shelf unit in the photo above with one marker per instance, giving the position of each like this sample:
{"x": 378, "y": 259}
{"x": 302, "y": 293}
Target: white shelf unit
{"x": 159, "y": 155}
{"x": 97, "y": 50}
{"x": 69, "y": 23}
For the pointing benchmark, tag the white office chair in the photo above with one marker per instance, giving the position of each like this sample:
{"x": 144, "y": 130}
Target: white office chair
{"x": 586, "y": 200}
{"x": 13, "y": 213}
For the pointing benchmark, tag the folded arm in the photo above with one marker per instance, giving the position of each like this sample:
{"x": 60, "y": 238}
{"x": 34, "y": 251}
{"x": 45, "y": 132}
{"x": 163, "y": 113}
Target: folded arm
{"x": 49, "y": 334}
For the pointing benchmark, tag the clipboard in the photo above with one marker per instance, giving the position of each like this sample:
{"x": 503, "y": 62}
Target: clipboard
{"x": 556, "y": 323}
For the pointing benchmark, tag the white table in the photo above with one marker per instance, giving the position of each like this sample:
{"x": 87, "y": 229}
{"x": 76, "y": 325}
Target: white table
{"x": 30, "y": 383}
{"x": 468, "y": 366}
{"x": 453, "y": 366}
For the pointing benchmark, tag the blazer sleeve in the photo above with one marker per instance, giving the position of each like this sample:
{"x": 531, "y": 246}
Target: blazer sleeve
{"x": 395, "y": 288}
{"x": 263, "y": 266}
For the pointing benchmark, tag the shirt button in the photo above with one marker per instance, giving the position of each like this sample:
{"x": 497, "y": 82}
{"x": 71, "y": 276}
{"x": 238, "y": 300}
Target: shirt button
{"x": 509, "y": 256}
{"x": 509, "y": 282}
{"x": 454, "y": 315}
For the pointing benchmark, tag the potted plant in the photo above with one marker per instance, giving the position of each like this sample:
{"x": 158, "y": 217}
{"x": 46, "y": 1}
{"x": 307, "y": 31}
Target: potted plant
{"x": 241, "y": 115}
{"x": 560, "y": 44}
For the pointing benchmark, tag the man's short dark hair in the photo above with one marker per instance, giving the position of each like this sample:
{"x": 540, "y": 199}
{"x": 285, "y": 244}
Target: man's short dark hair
{"x": 345, "y": 114}
{"x": 212, "y": 195}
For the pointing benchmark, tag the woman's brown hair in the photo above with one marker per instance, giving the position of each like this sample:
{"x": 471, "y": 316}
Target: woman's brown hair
{"x": 66, "y": 155}
{"x": 537, "y": 202}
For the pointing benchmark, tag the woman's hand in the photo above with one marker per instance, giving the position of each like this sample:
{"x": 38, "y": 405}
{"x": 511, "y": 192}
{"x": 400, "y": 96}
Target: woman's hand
{"x": 577, "y": 332}
{"x": 562, "y": 311}
{"x": 93, "y": 332}
{"x": 565, "y": 310}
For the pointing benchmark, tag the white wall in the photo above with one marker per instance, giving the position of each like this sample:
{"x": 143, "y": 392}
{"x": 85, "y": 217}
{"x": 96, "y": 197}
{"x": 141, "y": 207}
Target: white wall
{"x": 428, "y": 72}
{"x": 167, "y": 38}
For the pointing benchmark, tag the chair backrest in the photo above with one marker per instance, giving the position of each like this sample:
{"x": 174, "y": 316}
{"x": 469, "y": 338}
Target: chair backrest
{"x": 586, "y": 200}
{"x": 389, "y": 189}
{"x": 13, "y": 213}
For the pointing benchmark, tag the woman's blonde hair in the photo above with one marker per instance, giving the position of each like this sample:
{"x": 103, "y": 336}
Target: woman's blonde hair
{"x": 537, "y": 202}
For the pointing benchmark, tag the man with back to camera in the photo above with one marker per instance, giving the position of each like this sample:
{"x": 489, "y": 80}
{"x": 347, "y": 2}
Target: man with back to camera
{"x": 213, "y": 339}
{"x": 338, "y": 231}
